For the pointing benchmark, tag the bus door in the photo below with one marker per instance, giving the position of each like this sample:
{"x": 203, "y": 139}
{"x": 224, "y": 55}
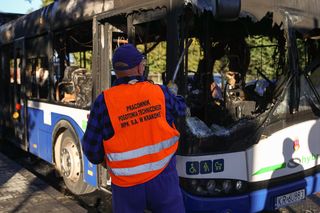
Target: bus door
{"x": 102, "y": 55}
{"x": 102, "y": 72}
{"x": 4, "y": 98}
{"x": 146, "y": 30}
{"x": 17, "y": 94}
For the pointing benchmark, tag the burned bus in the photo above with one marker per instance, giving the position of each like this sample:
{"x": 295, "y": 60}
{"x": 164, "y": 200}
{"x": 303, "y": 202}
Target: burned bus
{"x": 252, "y": 147}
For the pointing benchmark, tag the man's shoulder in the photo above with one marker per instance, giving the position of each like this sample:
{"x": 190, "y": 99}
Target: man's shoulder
{"x": 99, "y": 99}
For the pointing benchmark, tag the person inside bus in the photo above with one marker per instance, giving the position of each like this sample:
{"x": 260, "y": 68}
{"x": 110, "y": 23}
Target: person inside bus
{"x": 131, "y": 129}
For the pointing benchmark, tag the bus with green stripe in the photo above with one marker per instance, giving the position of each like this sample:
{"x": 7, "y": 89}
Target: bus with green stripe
{"x": 249, "y": 71}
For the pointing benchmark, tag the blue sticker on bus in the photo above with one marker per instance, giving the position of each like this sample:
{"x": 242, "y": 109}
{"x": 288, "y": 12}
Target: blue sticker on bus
{"x": 192, "y": 168}
{"x": 205, "y": 167}
{"x": 218, "y": 165}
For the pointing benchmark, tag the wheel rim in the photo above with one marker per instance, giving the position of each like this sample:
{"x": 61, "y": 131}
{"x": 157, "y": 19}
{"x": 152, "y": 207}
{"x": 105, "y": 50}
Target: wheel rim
{"x": 70, "y": 161}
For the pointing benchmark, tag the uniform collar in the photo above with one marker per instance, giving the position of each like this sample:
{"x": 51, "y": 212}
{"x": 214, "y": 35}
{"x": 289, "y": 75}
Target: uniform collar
{"x": 125, "y": 80}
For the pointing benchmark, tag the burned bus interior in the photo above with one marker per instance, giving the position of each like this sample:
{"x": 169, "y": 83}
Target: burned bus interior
{"x": 73, "y": 65}
{"x": 245, "y": 61}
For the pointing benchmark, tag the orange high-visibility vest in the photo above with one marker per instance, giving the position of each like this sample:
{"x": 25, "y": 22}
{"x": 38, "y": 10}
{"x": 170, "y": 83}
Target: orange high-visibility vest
{"x": 143, "y": 141}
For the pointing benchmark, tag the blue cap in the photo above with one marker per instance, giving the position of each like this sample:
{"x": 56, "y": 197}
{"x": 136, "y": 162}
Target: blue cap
{"x": 126, "y": 57}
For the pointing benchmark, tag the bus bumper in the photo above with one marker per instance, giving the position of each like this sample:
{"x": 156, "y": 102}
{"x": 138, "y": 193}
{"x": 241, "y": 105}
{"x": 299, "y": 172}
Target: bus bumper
{"x": 255, "y": 201}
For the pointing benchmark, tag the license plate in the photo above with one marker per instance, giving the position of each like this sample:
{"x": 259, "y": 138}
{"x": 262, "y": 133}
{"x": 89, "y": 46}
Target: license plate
{"x": 290, "y": 198}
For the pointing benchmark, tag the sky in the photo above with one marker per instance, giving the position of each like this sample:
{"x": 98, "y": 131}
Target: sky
{"x": 19, "y": 6}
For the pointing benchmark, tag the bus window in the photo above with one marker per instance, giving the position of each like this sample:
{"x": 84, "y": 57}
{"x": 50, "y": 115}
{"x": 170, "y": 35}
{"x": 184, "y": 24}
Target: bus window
{"x": 149, "y": 37}
{"x": 42, "y": 78}
{"x": 76, "y": 86}
{"x": 73, "y": 65}
{"x": 246, "y": 65}
{"x": 310, "y": 80}
{"x": 37, "y": 75}
{"x": 82, "y": 59}
{"x": 156, "y": 60}
{"x": 12, "y": 77}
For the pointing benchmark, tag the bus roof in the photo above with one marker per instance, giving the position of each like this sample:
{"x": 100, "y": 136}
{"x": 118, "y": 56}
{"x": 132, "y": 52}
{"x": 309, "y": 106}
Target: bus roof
{"x": 305, "y": 14}
{"x": 6, "y": 17}
{"x": 70, "y": 13}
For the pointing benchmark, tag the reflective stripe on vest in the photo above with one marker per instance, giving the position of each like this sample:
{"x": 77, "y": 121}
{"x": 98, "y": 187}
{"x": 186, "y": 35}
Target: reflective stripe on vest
{"x": 142, "y": 168}
{"x": 142, "y": 151}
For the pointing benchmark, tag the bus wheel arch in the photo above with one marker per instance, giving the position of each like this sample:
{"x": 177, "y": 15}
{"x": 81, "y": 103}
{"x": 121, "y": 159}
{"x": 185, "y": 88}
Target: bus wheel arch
{"x": 68, "y": 158}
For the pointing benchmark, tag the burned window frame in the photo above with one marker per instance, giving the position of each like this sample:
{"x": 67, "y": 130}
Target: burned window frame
{"x": 66, "y": 43}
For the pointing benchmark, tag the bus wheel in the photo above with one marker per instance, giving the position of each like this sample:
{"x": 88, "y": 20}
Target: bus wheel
{"x": 71, "y": 165}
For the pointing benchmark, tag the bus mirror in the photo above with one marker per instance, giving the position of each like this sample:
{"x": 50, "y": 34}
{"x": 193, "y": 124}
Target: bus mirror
{"x": 226, "y": 10}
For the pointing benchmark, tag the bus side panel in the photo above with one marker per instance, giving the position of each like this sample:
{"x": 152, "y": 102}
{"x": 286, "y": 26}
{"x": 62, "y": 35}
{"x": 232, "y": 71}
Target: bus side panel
{"x": 42, "y": 118}
{"x": 33, "y": 131}
{"x": 264, "y": 199}
{"x": 255, "y": 201}
{"x": 196, "y": 204}
{"x": 39, "y": 135}
{"x": 89, "y": 169}
{"x": 292, "y": 151}
{"x": 90, "y": 172}
{"x": 45, "y": 145}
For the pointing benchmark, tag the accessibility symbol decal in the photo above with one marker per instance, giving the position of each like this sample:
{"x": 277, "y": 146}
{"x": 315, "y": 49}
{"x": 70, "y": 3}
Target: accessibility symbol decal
{"x": 192, "y": 168}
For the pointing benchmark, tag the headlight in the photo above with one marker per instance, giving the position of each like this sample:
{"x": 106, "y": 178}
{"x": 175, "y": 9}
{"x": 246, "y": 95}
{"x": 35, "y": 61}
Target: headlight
{"x": 211, "y": 188}
{"x": 239, "y": 185}
{"x": 227, "y": 186}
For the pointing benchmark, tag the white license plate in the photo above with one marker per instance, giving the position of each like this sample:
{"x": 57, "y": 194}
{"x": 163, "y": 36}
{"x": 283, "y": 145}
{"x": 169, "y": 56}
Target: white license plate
{"x": 290, "y": 198}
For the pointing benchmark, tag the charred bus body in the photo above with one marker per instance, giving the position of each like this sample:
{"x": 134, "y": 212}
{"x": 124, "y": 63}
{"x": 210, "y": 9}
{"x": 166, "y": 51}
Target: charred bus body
{"x": 255, "y": 147}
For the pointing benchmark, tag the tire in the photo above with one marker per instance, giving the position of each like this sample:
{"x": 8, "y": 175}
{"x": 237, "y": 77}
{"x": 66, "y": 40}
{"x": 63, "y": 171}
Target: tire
{"x": 72, "y": 165}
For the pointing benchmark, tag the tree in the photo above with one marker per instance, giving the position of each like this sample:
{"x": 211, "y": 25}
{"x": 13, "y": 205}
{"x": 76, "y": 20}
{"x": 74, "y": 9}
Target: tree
{"x": 46, "y": 2}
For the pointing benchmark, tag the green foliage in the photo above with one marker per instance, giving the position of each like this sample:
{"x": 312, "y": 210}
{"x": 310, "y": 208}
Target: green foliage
{"x": 76, "y": 62}
{"x": 46, "y": 2}
{"x": 262, "y": 57}
{"x": 43, "y": 2}
{"x": 194, "y": 55}
{"x": 156, "y": 59}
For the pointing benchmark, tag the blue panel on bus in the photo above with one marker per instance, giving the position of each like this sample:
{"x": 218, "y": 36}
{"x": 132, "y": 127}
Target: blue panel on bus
{"x": 211, "y": 205}
{"x": 45, "y": 145}
{"x": 40, "y": 143}
{"x": 40, "y": 140}
{"x": 34, "y": 116}
{"x": 255, "y": 201}
{"x": 90, "y": 172}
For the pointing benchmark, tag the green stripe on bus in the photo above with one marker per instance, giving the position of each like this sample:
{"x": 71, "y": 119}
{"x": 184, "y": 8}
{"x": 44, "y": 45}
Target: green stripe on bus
{"x": 84, "y": 124}
{"x": 270, "y": 169}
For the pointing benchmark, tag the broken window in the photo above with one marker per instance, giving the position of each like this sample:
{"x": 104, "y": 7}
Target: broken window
{"x": 37, "y": 76}
{"x": 73, "y": 66}
{"x": 235, "y": 78}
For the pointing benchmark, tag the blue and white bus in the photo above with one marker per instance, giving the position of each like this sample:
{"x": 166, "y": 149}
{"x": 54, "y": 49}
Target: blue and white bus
{"x": 255, "y": 148}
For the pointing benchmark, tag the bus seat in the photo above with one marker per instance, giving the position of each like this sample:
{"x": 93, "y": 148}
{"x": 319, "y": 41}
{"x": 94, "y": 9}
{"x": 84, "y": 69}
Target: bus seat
{"x": 67, "y": 75}
{"x": 82, "y": 80}
{"x": 65, "y": 89}
{"x": 65, "y": 92}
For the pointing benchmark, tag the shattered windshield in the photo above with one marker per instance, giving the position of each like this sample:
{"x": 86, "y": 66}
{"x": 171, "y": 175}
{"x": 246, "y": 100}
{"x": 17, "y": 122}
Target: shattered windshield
{"x": 232, "y": 84}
